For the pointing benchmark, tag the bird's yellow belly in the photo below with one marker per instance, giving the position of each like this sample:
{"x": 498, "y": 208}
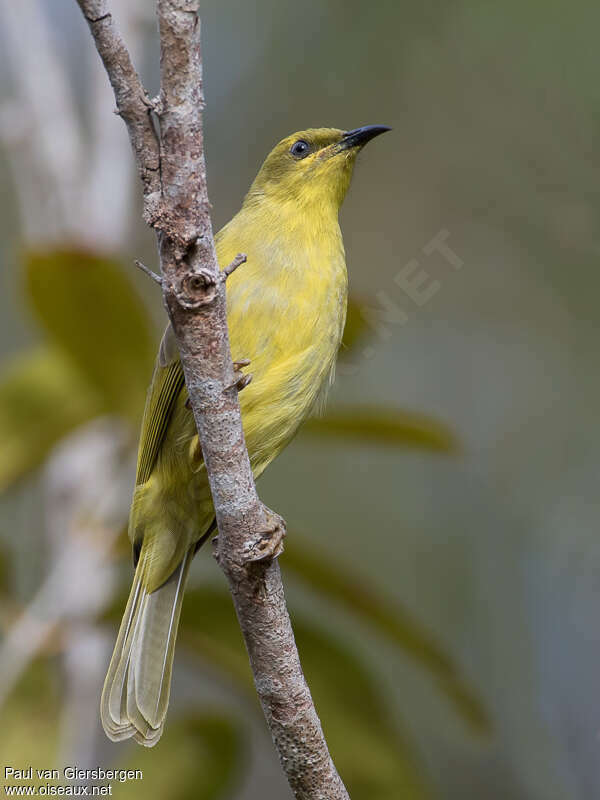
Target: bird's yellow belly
{"x": 290, "y": 366}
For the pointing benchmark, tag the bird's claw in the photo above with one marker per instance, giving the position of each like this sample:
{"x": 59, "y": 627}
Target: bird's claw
{"x": 241, "y": 380}
{"x": 269, "y": 542}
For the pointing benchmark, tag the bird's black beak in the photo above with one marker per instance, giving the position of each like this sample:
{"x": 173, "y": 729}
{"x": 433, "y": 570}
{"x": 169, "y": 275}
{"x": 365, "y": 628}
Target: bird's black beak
{"x": 360, "y": 136}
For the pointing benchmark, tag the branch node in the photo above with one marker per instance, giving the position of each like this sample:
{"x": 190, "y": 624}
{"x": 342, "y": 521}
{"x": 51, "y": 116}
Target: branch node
{"x": 154, "y": 104}
{"x": 268, "y": 543}
{"x": 95, "y": 20}
{"x": 196, "y": 289}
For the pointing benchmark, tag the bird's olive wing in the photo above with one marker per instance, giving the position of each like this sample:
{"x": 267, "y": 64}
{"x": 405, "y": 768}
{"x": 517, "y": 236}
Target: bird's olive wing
{"x": 167, "y": 382}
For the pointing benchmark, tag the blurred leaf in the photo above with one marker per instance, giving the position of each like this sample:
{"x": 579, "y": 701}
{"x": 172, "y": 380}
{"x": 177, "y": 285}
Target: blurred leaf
{"x": 384, "y": 616}
{"x": 384, "y": 426}
{"x": 199, "y": 758}
{"x": 4, "y": 569}
{"x": 42, "y": 397}
{"x": 30, "y": 721}
{"x": 90, "y": 309}
{"x": 375, "y": 762}
{"x": 355, "y": 327}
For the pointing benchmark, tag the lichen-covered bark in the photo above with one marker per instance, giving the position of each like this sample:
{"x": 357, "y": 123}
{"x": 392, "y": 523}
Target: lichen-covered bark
{"x": 176, "y": 205}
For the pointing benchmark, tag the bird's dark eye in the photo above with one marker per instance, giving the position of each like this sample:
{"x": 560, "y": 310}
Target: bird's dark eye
{"x": 300, "y": 148}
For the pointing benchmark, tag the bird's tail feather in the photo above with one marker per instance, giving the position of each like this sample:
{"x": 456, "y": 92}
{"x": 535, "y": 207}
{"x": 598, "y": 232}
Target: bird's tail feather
{"x": 136, "y": 690}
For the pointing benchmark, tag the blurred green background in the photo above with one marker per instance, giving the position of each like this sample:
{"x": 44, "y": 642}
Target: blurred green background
{"x": 443, "y": 565}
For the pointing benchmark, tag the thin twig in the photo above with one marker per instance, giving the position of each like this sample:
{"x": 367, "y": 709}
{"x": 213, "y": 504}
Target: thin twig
{"x": 109, "y": 165}
{"x": 223, "y": 275}
{"x": 194, "y": 295}
{"x": 240, "y": 259}
{"x": 149, "y": 272}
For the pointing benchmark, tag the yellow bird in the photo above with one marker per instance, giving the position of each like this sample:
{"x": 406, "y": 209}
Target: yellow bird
{"x": 286, "y": 309}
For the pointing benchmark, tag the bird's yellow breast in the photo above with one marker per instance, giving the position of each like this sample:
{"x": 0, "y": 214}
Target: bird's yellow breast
{"x": 286, "y": 313}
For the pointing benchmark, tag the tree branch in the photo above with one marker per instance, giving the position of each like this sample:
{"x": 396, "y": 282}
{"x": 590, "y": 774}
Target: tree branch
{"x": 176, "y": 205}
{"x": 133, "y": 104}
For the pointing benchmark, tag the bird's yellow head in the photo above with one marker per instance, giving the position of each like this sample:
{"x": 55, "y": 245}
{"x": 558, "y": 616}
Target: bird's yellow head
{"x": 311, "y": 167}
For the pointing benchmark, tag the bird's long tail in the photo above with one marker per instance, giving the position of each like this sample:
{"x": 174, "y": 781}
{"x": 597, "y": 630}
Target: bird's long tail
{"x": 136, "y": 690}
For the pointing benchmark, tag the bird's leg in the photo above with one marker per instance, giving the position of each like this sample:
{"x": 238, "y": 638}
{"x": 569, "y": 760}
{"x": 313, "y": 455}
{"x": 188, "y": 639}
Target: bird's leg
{"x": 269, "y": 541}
{"x": 241, "y": 380}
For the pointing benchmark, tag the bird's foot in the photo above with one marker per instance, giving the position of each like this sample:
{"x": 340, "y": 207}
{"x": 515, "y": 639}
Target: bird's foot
{"x": 269, "y": 541}
{"x": 240, "y": 379}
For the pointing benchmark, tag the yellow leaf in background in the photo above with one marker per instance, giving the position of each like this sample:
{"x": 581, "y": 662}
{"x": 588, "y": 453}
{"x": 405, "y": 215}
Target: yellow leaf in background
{"x": 383, "y": 426}
{"x": 30, "y": 723}
{"x": 42, "y": 398}
{"x": 91, "y": 311}
{"x": 200, "y": 757}
{"x": 385, "y": 617}
{"x": 374, "y": 757}
{"x": 4, "y": 570}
